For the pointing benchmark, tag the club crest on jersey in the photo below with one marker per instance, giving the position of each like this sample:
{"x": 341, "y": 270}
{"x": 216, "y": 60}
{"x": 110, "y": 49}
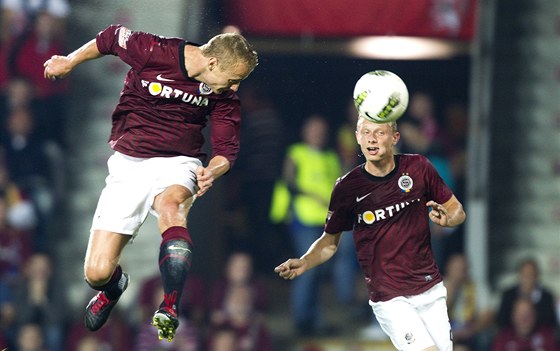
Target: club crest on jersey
{"x": 405, "y": 183}
{"x": 204, "y": 89}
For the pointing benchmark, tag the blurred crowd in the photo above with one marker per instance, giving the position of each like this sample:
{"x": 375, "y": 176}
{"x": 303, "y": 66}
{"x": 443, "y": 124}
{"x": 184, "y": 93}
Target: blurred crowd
{"x": 229, "y": 312}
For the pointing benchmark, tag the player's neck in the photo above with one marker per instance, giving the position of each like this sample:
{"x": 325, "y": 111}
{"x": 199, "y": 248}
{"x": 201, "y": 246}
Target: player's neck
{"x": 380, "y": 168}
{"x": 193, "y": 61}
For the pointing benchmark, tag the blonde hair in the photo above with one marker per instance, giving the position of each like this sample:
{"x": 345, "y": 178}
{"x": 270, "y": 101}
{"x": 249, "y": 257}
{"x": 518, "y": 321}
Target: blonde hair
{"x": 392, "y": 125}
{"x": 231, "y": 49}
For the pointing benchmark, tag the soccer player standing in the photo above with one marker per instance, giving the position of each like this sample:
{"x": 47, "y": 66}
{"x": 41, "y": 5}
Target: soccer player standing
{"x": 173, "y": 89}
{"x": 388, "y": 202}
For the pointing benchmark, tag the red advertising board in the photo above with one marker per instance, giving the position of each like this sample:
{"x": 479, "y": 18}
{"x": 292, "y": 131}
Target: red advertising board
{"x": 452, "y": 19}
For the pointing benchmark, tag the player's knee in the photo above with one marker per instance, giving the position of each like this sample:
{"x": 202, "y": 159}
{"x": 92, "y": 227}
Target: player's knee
{"x": 173, "y": 214}
{"x": 97, "y": 274}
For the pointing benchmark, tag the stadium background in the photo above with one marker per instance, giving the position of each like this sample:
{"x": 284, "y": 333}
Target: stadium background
{"x": 505, "y": 66}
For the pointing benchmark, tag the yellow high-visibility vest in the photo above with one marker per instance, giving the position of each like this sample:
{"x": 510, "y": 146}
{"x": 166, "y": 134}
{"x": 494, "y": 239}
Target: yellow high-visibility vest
{"x": 316, "y": 173}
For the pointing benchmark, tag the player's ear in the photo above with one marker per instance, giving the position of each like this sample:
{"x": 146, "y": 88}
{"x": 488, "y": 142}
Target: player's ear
{"x": 396, "y": 137}
{"x": 212, "y": 63}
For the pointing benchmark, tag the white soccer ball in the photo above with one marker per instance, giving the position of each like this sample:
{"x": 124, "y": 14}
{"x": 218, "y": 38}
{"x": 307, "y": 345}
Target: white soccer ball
{"x": 380, "y": 96}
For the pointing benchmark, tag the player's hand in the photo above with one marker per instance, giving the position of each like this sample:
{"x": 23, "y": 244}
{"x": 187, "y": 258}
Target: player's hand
{"x": 294, "y": 267}
{"x": 438, "y": 214}
{"x": 204, "y": 180}
{"x": 57, "y": 67}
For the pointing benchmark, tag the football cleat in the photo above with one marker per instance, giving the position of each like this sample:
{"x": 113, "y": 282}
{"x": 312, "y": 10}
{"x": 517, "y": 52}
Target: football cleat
{"x": 100, "y": 306}
{"x": 166, "y": 321}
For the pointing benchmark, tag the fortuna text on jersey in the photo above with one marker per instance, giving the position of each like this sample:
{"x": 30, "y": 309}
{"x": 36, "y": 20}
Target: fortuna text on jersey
{"x": 369, "y": 217}
{"x": 158, "y": 89}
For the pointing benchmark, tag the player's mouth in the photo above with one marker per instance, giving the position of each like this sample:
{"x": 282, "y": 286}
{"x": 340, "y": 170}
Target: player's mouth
{"x": 372, "y": 150}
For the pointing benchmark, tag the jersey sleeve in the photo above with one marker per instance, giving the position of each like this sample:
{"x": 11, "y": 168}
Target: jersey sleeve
{"x": 339, "y": 217}
{"x": 225, "y": 126}
{"x": 437, "y": 189}
{"x": 133, "y": 48}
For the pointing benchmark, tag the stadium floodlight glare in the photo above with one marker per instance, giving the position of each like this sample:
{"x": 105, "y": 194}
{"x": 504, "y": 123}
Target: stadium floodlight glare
{"x": 406, "y": 48}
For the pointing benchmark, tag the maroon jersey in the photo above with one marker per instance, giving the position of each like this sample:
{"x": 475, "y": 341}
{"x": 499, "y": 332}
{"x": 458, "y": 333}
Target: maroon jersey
{"x": 161, "y": 111}
{"x": 390, "y": 221}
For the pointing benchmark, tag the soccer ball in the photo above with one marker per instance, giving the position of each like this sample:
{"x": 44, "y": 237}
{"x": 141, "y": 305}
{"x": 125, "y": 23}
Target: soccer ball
{"x": 380, "y": 96}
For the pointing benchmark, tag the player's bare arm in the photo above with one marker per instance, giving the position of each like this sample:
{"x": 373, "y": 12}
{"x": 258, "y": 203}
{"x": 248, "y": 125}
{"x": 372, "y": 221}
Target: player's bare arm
{"x": 450, "y": 214}
{"x": 58, "y": 67}
{"x": 205, "y": 176}
{"x": 319, "y": 252}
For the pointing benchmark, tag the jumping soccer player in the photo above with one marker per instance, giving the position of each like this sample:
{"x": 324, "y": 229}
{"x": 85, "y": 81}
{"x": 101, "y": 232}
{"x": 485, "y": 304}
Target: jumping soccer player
{"x": 387, "y": 202}
{"x": 172, "y": 90}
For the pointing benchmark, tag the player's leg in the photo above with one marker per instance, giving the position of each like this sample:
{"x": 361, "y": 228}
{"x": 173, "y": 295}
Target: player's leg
{"x": 103, "y": 273}
{"x": 400, "y": 320}
{"x": 172, "y": 206}
{"x": 122, "y": 208}
{"x": 434, "y": 313}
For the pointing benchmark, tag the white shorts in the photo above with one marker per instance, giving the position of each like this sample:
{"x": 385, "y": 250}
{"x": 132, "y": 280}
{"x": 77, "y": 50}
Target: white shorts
{"x": 132, "y": 185}
{"x": 416, "y": 322}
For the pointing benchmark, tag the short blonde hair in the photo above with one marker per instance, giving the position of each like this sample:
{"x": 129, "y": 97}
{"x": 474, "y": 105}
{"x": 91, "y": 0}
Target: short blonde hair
{"x": 231, "y": 49}
{"x": 392, "y": 125}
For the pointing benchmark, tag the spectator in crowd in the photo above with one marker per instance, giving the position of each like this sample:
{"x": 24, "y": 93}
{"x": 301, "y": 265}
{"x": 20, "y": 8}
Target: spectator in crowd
{"x": 15, "y": 243}
{"x": 18, "y": 16}
{"x": 25, "y": 61}
{"x": 422, "y": 110}
{"x": 250, "y": 327}
{"x": 454, "y": 141}
{"x": 468, "y": 305}
{"x": 30, "y": 337}
{"x": 348, "y": 150}
{"x": 223, "y": 338}
{"x": 310, "y": 171}
{"x": 40, "y": 303}
{"x": 524, "y": 332}
{"x": 7, "y": 315}
{"x": 92, "y": 343}
{"x": 33, "y": 166}
{"x": 19, "y": 92}
{"x": 528, "y": 285}
{"x": 238, "y": 271}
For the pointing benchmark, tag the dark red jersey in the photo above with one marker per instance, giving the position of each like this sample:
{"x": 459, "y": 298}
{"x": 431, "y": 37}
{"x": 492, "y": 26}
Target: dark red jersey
{"x": 161, "y": 111}
{"x": 390, "y": 222}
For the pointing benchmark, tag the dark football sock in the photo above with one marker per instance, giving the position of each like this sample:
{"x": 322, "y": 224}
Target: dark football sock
{"x": 175, "y": 255}
{"x": 112, "y": 288}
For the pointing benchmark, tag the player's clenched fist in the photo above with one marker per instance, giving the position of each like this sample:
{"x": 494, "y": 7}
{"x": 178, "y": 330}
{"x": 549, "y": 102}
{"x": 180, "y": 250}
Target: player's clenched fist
{"x": 292, "y": 268}
{"x": 57, "y": 67}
